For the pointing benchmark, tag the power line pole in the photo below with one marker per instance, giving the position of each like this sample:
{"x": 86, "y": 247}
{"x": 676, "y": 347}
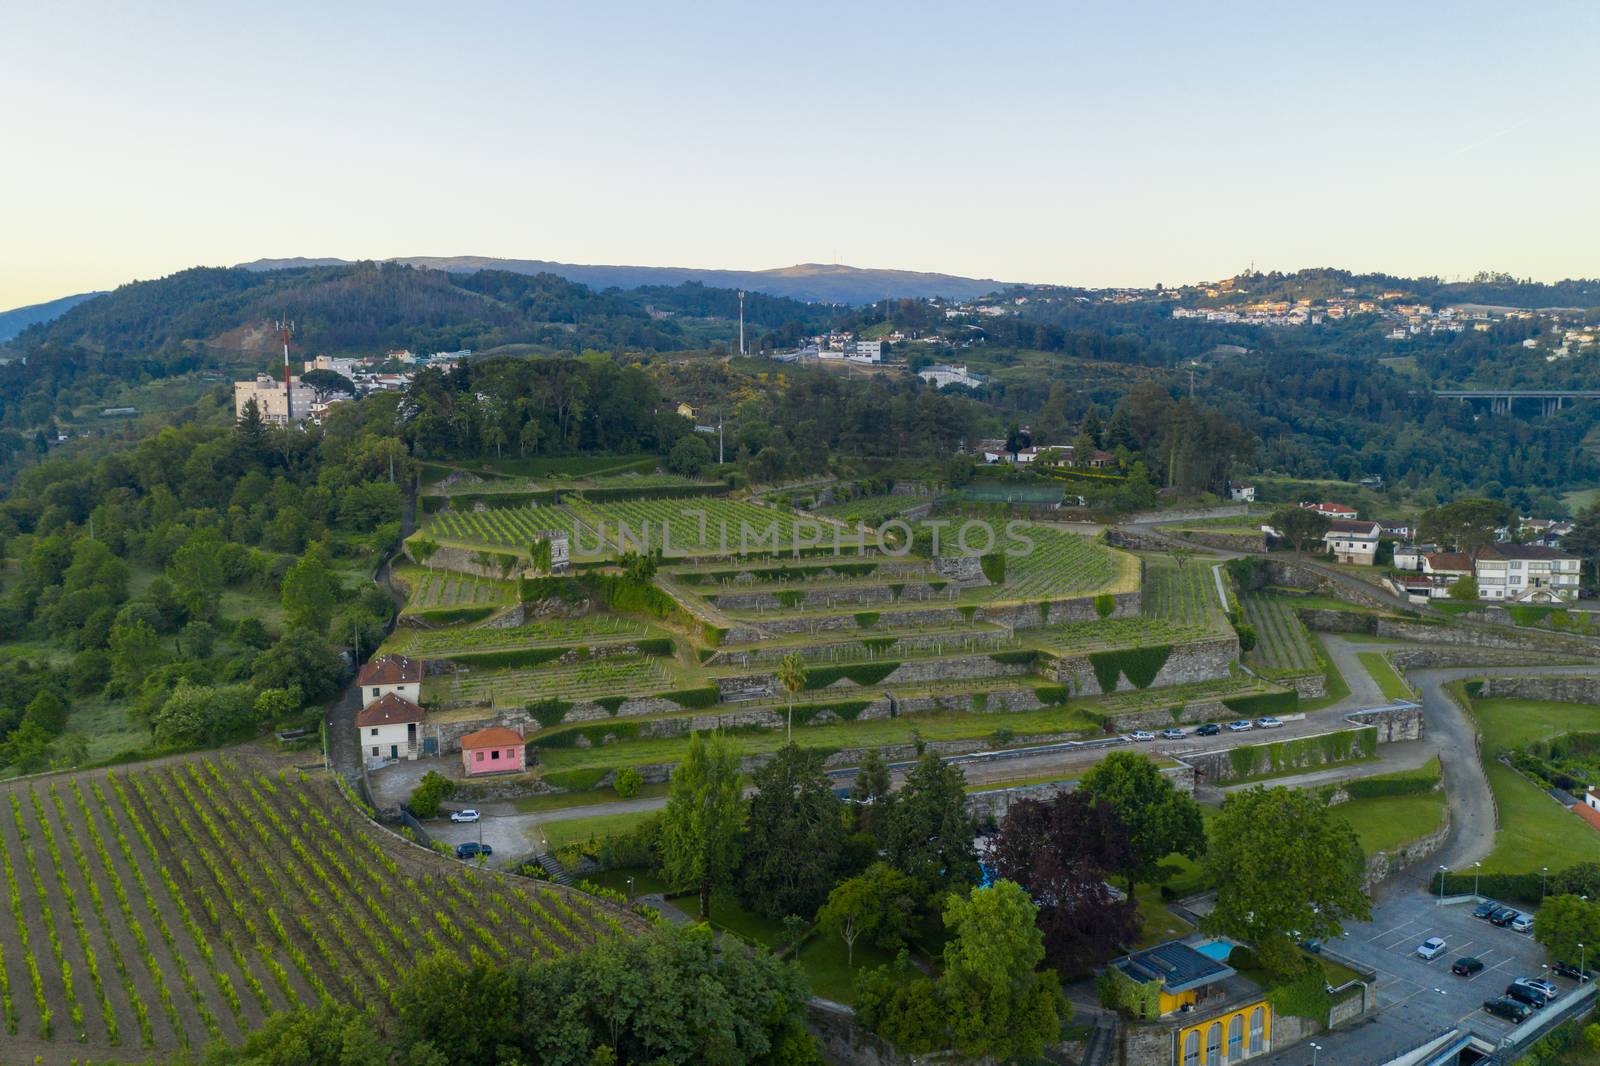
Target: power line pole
{"x": 741, "y": 322}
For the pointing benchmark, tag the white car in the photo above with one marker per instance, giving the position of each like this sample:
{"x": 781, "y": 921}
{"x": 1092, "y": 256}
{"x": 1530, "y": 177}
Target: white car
{"x": 1241, "y": 725}
{"x": 1431, "y": 948}
{"x": 468, "y": 815}
{"x": 1140, "y": 734}
{"x": 1172, "y": 734}
{"x": 1268, "y": 723}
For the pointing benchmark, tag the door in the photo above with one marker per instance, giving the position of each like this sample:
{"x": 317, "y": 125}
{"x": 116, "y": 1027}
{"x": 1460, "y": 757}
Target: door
{"x": 394, "y": 751}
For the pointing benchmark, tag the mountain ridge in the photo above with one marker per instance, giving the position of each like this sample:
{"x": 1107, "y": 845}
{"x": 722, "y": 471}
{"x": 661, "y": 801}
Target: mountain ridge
{"x": 812, "y": 282}
{"x": 17, "y": 319}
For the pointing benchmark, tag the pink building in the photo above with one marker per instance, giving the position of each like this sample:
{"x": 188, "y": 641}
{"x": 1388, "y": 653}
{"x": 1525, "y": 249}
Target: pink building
{"x": 493, "y": 751}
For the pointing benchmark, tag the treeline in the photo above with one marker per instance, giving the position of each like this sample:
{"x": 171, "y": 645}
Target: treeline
{"x": 195, "y": 579}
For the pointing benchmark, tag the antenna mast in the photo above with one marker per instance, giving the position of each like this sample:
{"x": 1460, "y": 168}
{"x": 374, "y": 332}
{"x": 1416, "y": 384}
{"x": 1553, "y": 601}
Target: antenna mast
{"x": 286, "y": 327}
{"x": 741, "y": 322}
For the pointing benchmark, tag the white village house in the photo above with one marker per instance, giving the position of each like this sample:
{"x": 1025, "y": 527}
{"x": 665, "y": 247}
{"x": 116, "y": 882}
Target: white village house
{"x": 390, "y": 718}
{"x": 1527, "y": 573}
{"x": 1352, "y": 542}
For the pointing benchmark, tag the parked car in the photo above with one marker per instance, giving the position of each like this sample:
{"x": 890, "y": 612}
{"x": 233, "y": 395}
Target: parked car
{"x": 1210, "y": 729}
{"x": 1141, "y": 735}
{"x": 472, "y": 849}
{"x": 1567, "y": 969}
{"x": 1467, "y": 966}
{"x": 1172, "y": 734}
{"x": 1539, "y": 985}
{"x": 1484, "y": 909}
{"x": 1523, "y": 994}
{"x": 1314, "y": 946}
{"x": 468, "y": 815}
{"x": 1241, "y": 725}
{"x": 1510, "y": 1009}
{"x": 1522, "y": 923}
{"x": 1431, "y": 948}
{"x": 1268, "y": 722}
{"x": 1503, "y": 915}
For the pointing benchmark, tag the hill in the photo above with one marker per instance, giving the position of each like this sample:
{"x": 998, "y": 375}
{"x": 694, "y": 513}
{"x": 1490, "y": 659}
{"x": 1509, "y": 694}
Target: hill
{"x": 811, "y": 282}
{"x": 17, "y": 319}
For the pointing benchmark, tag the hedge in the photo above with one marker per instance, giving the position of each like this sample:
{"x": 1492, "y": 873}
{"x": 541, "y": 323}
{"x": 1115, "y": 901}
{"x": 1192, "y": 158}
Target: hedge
{"x": 595, "y": 734}
{"x": 848, "y": 710}
{"x": 713, "y": 635}
{"x": 449, "y": 616}
{"x": 566, "y": 589}
{"x": 575, "y": 780}
{"x": 1303, "y": 752}
{"x": 549, "y": 712}
{"x": 1260, "y": 704}
{"x": 1139, "y": 665}
{"x": 1104, "y": 605}
{"x": 611, "y": 704}
{"x": 1400, "y": 785}
{"x": 1052, "y": 695}
{"x": 690, "y": 698}
{"x": 866, "y": 619}
{"x": 993, "y": 566}
{"x": 514, "y": 657}
{"x": 1022, "y": 657}
{"x": 790, "y": 597}
{"x": 1510, "y": 888}
{"x": 859, "y": 673}
{"x": 654, "y": 646}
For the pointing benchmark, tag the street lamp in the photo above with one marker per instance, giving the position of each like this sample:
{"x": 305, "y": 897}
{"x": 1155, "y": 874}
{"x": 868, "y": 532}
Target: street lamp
{"x": 1314, "y": 1049}
{"x": 1441, "y": 886}
{"x": 1581, "y": 971}
{"x": 630, "y": 890}
{"x": 1544, "y": 871}
{"x": 1475, "y": 877}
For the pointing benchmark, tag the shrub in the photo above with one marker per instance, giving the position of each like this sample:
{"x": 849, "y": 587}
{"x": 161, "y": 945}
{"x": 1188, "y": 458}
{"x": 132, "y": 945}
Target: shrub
{"x": 434, "y": 789}
{"x": 993, "y": 566}
{"x": 511, "y": 658}
{"x": 1104, "y": 604}
{"x": 690, "y": 698}
{"x": 1242, "y": 958}
{"x": 549, "y": 712}
{"x": 1139, "y": 665}
{"x": 628, "y": 782}
{"x": 1247, "y": 635}
{"x": 859, "y": 673}
{"x": 866, "y": 619}
{"x": 611, "y": 703}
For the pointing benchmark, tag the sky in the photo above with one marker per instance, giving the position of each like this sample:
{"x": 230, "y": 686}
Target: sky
{"x": 1081, "y": 143}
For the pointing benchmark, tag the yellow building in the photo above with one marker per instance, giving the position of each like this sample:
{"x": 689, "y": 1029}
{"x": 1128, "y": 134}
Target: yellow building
{"x": 1241, "y": 1033}
{"x": 1216, "y": 1018}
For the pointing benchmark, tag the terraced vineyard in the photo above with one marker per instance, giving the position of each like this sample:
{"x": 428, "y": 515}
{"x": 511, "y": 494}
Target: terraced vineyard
{"x": 440, "y": 643}
{"x": 704, "y": 526}
{"x": 872, "y": 509}
{"x": 161, "y": 908}
{"x": 1186, "y": 594}
{"x": 1283, "y": 647}
{"x": 1063, "y": 565}
{"x": 616, "y": 676}
{"x": 1071, "y": 638}
{"x": 504, "y": 527}
{"x": 429, "y": 590}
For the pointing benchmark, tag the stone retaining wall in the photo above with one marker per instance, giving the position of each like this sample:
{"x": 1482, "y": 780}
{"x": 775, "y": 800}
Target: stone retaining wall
{"x": 830, "y": 596}
{"x": 1568, "y": 689}
{"x": 1385, "y": 863}
{"x": 1200, "y": 660}
{"x": 995, "y": 802}
{"x": 910, "y": 672}
{"x": 1016, "y": 616}
{"x": 1216, "y": 767}
{"x": 1427, "y": 658}
{"x": 1395, "y": 723}
{"x": 1299, "y": 576}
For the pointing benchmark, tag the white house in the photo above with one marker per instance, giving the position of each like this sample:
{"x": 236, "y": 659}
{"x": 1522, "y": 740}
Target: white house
{"x": 1352, "y": 542}
{"x": 1239, "y": 492}
{"x": 391, "y": 675}
{"x": 277, "y": 403}
{"x": 1331, "y": 510}
{"x": 1447, "y": 564}
{"x": 1527, "y": 573}
{"x": 388, "y": 729}
{"x": 1409, "y": 556}
{"x": 865, "y": 352}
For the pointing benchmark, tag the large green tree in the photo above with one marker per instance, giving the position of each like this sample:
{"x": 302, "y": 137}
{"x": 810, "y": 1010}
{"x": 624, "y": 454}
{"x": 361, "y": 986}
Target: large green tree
{"x": 929, "y": 832}
{"x": 1564, "y": 922}
{"x": 1467, "y": 525}
{"x": 1300, "y": 526}
{"x": 794, "y": 835}
{"x": 1159, "y": 819}
{"x": 701, "y": 824}
{"x": 1284, "y": 865}
{"x": 879, "y": 903}
{"x": 311, "y": 591}
{"x": 998, "y": 1004}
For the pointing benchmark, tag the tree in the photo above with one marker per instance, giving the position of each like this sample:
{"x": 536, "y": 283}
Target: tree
{"x": 1464, "y": 587}
{"x": 1563, "y": 922}
{"x": 329, "y": 1035}
{"x": 48, "y": 711}
{"x": 701, "y": 822}
{"x": 1468, "y": 524}
{"x": 1061, "y": 852}
{"x": 311, "y": 590}
{"x": 1159, "y": 819}
{"x": 433, "y": 790}
{"x": 327, "y": 382}
{"x": 879, "y": 904}
{"x": 870, "y": 792}
{"x": 1579, "y": 879}
{"x": 794, "y": 836}
{"x": 997, "y": 1003}
{"x": 135, "y": 651}
{"x": 422, "y": 549}
{"x": 627, "y": 782}
{"x": 303, "y": 660}
{"x": 1284, "y": 864}
{"x": 251, "y": 426}
{"x": 792, "y": 676}
{"x": 1300, "y": 526}
{"x": 689, "y": 456}
{"x": 928, "y": 832}
{"x": 539, "y": 553}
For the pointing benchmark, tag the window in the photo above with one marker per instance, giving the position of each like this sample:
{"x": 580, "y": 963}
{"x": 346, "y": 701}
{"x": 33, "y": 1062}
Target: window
{"x": 477, "y": 756}
{"x": 1191, "y": 1049}
{"x": 374, "y": 748}
{"x": 1214, "y": 1045}
{"x": 1236, "y": 1038}
{"x": 1258, "y": 1025}
{"x": 374, "y": 692}
{"x": 494, "y": 756}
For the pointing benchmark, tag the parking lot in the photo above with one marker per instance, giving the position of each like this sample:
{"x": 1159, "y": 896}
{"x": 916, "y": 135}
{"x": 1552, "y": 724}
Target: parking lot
{"x": 1417, "y": 997}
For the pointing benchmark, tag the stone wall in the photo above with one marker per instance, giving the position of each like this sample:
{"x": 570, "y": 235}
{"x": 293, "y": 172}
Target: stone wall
{"x": 1216, "y": 767}
{"x": 465, "y": 561}
{"x": 1309, "y": 686}
{"x": 1384, "y": 863}
{"x": 1017, "y": 616}
{"x": 1233, "y": 542}
{"x": 993, "y": 803}
{"x": 1200, "y": 660}
{"x": 910, "y": 672}
{"x": 845, "y": 1042}
{"x": 1569, "y": 689}
{"x": 830, "y": 596}
{"x": 1206, "y": 710}
{"x": 936, "y": 642}
{"x": 1393, "y": 724}
{"x": 1327, "y": 620}
{"x": 1299, "y": 576}
{"x": 1427, "y": 658}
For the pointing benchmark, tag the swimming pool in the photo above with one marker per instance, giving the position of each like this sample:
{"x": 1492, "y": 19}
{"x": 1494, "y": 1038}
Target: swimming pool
{"x": 1218, "y": 949}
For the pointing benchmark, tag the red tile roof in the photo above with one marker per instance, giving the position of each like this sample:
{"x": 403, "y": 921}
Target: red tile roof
{"x": 1522, "y": 551}
{"x": 390, "y": 710}
{"x": 390, "y": 670}
{"x": 1449, "y": 561}
{"x": 496, "y": 736}
{"x": 1349, "y": 526}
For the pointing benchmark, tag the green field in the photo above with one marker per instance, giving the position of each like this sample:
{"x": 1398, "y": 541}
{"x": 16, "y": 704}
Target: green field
{"x": 556, "y": 632}
{"x": 1387, "y": 678}
{"x": 870, "y": 509}
{"x": 1062, "y": 565}
{"x": 620, "y": 675}
{"x": 567, "y": 831}
{"x": 1384, "y": 823}
{"x": 1534, "y": 831}
{"x": 1071, "y": 638}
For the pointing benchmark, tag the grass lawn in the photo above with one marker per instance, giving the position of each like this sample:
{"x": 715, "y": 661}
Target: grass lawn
{"x": 562, "y": 801}
{"x": 1534, "y": 830}
{"x": 1333, "y": 683}
{"x": 1389, "y": 681}
{"x": 1385, "y": 822}
{"x": 1160, "y": 924}
{"x": 645, "y": 882}
{"x": 578, "y": 830}
{"x": 107, "y": 724}
{"x": 1578, "y": 499}
{"x": 828, "y": 966}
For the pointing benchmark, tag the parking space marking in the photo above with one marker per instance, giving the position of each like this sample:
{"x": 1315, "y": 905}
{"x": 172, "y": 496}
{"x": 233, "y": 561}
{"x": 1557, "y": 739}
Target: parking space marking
{"x": 1391, "y": 930}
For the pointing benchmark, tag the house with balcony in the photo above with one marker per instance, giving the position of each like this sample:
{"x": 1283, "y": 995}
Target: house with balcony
{"x": 389, "y": 728}
{"x": 1527, "y": 573}
{"x": 1352, "y": 542}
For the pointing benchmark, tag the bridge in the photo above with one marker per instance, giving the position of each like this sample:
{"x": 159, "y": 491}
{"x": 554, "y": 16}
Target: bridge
{"x": 1500, "y": 400}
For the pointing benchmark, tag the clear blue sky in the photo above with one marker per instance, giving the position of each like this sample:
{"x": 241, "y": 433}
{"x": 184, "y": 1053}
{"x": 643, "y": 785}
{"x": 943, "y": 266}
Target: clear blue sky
{"x": 1117, "y": 143}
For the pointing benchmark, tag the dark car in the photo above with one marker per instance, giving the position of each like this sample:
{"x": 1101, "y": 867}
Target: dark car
{"x": 1507, "y": 1008}
{"x": 1567, "y": 969}
{"x": 1467, "y": 966}
{"x": 1484, "y": 909}
{"x": 1503, "y": 915}
{"x": 1210, "y": 729}
{"x": 472, "y": 850}
{"x": 1531, "y": 997}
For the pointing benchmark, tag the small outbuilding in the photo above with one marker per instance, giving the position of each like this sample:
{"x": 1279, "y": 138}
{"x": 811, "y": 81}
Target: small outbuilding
{"x": 495, "y": 750}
